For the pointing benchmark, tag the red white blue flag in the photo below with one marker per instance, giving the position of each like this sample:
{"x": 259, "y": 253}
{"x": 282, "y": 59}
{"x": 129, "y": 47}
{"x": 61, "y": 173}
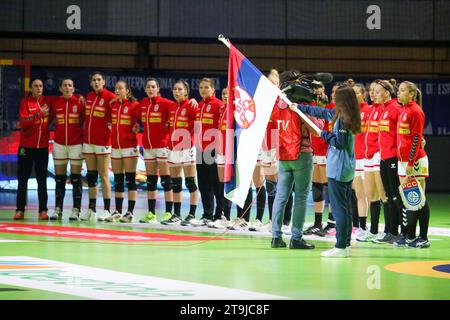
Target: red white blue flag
{"x": 251, "y": 97}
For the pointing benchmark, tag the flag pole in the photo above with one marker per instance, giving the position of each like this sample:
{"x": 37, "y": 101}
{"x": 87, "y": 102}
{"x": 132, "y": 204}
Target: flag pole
{"x": 282, "y": 95}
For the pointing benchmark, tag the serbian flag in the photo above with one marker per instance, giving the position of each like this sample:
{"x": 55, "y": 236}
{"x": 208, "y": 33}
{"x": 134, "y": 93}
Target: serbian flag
{"x": 251, "y": 97}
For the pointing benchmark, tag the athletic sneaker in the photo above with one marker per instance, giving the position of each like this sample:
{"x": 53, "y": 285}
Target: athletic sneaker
{"x": 239, "y": 224}
{"x": 75, "y": 215}
{"x": 187, "y": 220}
{"x": 114, "y": 217}
{"x": 329, "y": 230}
{"x": 354, "y": 230}
{"x": 387, "y": 239}
{"x": 366, "y": 237}
{"x": 87, "y": 215}
{"x": 318, "y": 231}
{"x": 401, "y": 242}
{"x": 419, "y": 243}
{"x": 286, "y": 229}
{"x": 166, "y": 216}
{"x": 174, "y": 220}
{"x": 255, "y": 225}
{"x": 379, "y": 237}
{"x": 20, "y": 215}
{"x": 56, "y": 214}
{"x": 127, "y": 217}
{"x": 150, "y": 217}
{"x": 43, "y": 215}
{"x": 361, "y": 233}
{"x": 335, "y": 253}
{"x": 221, "y": 223}
{"x": 106, "y": 216}
{"x": 349, "y": 251}
{"x": 267, "y": 227}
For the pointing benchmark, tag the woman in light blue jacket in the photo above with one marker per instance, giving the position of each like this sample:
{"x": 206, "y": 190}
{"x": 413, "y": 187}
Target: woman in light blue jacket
{"x": 341, "y": 161}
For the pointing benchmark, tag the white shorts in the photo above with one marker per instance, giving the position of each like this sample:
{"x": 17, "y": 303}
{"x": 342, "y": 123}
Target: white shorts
{"x": 220, "y": 160}
{"x": 259, "y": 161}
{"x": 124, "y": 153}
{"x": 359, "y": 169}
{"x": 372, "y": 165}
{"x": 269, "y": 157}
{"x": 94, "y": 149}
{"x": 320, "y": 160}
{"x": 159, "y": 154}
{"x": 62, "y": 154}
{"x": 420, "y": 168}
{"x": 182, "y": 157}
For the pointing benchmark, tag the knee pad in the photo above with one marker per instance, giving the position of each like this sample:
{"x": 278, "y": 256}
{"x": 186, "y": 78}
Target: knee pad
{"x": 166, "y": 183}
{"x": 190, "y": 184}
{"x": 317, "y": 191}
{"x": 271, "y": 187}
{"x": 119, "y": 185}
{"x": 151, "y": 182}
{"x": 176, "y": 185}
{"x": 92, "y": 178}
{"x": 131, "y": 181}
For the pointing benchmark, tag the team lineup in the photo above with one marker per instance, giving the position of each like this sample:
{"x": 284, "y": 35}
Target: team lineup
{"x": 360, "y": 157}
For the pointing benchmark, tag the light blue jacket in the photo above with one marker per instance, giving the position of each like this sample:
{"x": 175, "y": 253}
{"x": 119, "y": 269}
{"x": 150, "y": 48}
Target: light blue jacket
{"x": 341, "y": 153}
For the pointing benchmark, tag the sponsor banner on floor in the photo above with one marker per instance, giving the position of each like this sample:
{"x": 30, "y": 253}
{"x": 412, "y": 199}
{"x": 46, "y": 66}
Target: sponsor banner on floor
{"x": 103, "y": 284}
{"x": 96, "y": 234}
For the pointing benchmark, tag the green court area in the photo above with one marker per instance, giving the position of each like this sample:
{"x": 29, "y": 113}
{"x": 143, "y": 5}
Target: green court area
{"x": 108, "y": 261}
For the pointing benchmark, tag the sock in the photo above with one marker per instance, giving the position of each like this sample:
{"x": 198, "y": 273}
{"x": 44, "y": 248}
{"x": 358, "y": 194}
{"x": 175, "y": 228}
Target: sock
{"x": 375, "y": 208}
{"x": 177, "y": 209}
{"x": 60, "y": 191}
{"x": 192, "y": 209}
{"x": 318, "y": 219}
{"x": 77, "y": 190}
{"x": 271, "y": 188}
{"x": 131, "y": 204}
{"x": 227, "y": 208}
{"x": 151, "y": 205}
{"x": 169, "y": 205}
{"x": 246, "y": 208}
{"x": 92, "y": 204}
{"x": 355, "y": 215}
{"x": 424, "y": 220}
{"x": 107, "y": 204}
{"x": 119, "y": 202}
{"x": 362, "y": 223}
{"x": 412, "y": 224}
{"x": 387, "y": 216}
{"x": 288, "y": 211}
{"x": 260, "y": 202}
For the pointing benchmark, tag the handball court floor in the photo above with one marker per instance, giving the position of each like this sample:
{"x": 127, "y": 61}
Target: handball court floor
{"x": 92, "y": 260}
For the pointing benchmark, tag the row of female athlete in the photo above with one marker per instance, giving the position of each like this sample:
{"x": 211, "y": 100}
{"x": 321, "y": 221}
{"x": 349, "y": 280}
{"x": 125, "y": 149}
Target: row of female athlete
{"x": 103, "y": 127}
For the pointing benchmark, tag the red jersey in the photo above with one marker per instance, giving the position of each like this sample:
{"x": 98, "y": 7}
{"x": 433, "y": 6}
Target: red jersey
{"x": 409, "y": 133}
{"x": 97, "y": 116}
{"x": 289, "y": 128}
{"x": 69, "y": 120}
{"x": 33, "y": 124}
{"x": 318, "y": 144}
{"x": 387, "y": 126}
{"x": 223, "y": 130}
{"x": 124, "y": 117}
{"x": 371, "y": 137}
{"x": 181, "y": 125}
{"x": 154, "y": 114}
{"x": 329, "y": 125}
{"x": 360, "y": 143}
{"x": 208, "y": 114}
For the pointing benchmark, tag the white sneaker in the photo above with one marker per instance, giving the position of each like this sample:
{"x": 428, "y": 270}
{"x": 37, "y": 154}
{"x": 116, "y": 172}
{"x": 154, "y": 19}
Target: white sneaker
{"x": 335, "y": 253}
{"x": 199, "y": 222}
{"x": 114, "y": 217}
{"x": 348, "y": 251}
{"x": 255, "y": 225}
{"x": 239, "y": 224}
{"x": 105, "y": 216}
{"x": 378, "y": 237}
{"x": 286, "y": 229}
{"x": 87, "y": 215}
{"x": 75, "y": 215}
{"x": 221, "y": 223}
{"x": 55, "y": 214}
{"x": 366, "y": 237}
{"x": 267, "y": 227}
{"x": 127, "y": 217}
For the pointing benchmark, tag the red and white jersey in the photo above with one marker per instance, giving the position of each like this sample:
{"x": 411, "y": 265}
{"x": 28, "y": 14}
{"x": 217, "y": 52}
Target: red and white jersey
{"x": 208, "y": 114}
{"x": 371, "y": 138}
{"x": 181, "y": 125}
{"x": 124, "y": 115}
{"x": 68, "y": 115}
{"x": 387, "y": 126}
{"x": 409, "y": 133}
{"x": 33, "y": 123}
{"x": 97, "y": 116}
{"x": 154, "y": 115}
{"x": 360, "y": 143}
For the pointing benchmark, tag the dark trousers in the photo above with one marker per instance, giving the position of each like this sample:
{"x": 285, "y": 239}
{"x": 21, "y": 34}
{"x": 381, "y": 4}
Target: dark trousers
{"x": 209, "y": 186}
{"x": 340, "y": 196}
{"x": 27, "y": 158}
{"x": 391, "y": 182}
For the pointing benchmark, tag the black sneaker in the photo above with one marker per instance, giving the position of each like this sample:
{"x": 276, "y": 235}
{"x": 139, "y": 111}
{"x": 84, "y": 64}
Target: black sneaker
{"x": 329, "y": 229}
{"x": 187, "y": 220}
{"x": 174, "y": 220}
{"x": 387, "y": 239}
{"x": 278, "y": 243}
{"x": 300, "y": 244}
{"x": 419, "y": 243}
{"x": 314, "y": 230}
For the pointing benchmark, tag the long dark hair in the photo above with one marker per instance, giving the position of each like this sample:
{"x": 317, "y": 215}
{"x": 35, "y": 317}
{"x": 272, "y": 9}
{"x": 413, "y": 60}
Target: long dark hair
{"x": 347, "y": 109}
